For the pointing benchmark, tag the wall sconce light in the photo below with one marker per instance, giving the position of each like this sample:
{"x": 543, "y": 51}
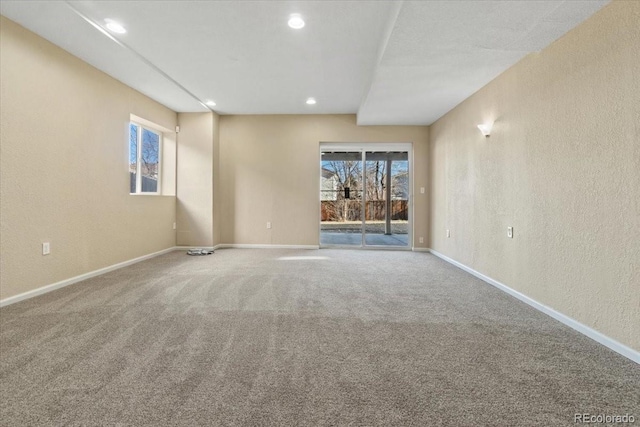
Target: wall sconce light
{"x": 485, "y": 129}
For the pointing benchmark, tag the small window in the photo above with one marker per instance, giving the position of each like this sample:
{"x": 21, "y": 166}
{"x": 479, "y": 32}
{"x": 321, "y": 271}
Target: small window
{"x": 144, "y": 159}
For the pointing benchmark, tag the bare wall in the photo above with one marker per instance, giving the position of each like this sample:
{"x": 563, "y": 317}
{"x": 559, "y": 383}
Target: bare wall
{"x": 270, "y": 167}
{"x": 562, "y": 166}
{"x": 64, "y": 167}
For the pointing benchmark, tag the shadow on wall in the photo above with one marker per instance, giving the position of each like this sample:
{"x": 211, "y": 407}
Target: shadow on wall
{"x": 188, "y": 232}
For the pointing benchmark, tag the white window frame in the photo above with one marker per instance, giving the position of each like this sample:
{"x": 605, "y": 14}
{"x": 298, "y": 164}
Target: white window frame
{"x": 142, "y": 127}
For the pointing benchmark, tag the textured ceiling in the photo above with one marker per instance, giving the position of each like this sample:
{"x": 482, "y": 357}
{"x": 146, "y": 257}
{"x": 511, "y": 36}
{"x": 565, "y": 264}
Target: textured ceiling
{"x": 390, "y": 62}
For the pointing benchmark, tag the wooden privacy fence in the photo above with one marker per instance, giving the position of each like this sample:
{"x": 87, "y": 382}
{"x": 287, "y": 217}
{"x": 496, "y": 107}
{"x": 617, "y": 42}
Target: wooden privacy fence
{"x": 349, "y": 210}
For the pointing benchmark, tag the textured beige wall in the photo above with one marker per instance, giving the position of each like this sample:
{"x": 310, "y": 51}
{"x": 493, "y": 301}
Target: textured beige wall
{"x": 196, "y": 143}
{"x": 270, "y": 168}
{"x": 64, "y": 167}
{"x": 562, "y": 167}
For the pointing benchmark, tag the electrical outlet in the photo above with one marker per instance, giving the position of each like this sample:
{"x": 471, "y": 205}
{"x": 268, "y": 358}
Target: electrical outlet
{"x": 46, "y": 248}
{"x": 448, "y": 233}
{"x": 174, "y": 225}
{"x": 510, "y": 232}
{"x": 421, "y": 190}
{"x": 421, "y": 239}
{"x": 268, "y": 224}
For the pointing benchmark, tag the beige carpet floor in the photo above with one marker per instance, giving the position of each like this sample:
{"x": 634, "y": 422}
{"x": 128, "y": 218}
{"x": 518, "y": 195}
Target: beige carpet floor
{"x": 299, "y": 337}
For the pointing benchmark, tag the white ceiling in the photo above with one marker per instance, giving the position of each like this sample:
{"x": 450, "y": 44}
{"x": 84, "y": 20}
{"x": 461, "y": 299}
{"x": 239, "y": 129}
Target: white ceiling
{"x": 391, "y": 62}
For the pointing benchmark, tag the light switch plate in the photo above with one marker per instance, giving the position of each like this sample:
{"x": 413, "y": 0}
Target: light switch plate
{"x": 510, "y": 232}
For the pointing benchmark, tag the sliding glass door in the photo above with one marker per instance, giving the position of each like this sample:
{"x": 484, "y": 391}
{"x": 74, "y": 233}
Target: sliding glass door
{"x": 365, "y": 195}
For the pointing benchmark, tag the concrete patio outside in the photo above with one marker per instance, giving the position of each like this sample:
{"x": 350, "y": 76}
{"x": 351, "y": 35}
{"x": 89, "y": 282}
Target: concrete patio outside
{"x": 349, "y": 233}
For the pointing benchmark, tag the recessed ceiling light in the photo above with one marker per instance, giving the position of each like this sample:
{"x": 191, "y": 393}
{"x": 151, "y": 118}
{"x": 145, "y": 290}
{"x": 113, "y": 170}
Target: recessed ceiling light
{"x": 311, "y": 101}
{"x": 114, "y": 26}
{"x": 211, "y": 103}
{"x": 296, "y": 21}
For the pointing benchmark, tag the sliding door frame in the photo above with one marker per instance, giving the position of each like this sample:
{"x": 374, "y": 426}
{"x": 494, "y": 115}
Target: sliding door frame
{"x": 363, "y": 147}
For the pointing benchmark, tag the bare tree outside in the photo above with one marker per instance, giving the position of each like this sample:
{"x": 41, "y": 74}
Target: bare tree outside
{"x": 150, "y": 154}
{"x": 149, "y": 158}
{"x": 376, "y": 175}
{"x": 345, "y": 203}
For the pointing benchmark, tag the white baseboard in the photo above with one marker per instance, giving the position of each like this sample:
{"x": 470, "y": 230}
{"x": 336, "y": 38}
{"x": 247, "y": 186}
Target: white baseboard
{"x": 420, "y": 249}
{"x": 76, "y": 279}
{"x": 262, "y": 246}
{"x": 574, "y": 324}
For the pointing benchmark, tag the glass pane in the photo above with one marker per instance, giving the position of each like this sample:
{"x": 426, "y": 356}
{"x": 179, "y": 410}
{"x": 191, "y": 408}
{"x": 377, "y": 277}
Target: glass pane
{"x": 133, "y": 156}
{"x": 341, "y": 198}
{"x": 149, "y": 158}
{"x": 400, "y": 198}
{"x": 387, "y": 198}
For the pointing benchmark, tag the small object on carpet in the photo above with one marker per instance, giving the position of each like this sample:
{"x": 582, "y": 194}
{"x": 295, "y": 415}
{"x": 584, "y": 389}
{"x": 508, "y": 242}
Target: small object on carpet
{"x": 198, "y": 252}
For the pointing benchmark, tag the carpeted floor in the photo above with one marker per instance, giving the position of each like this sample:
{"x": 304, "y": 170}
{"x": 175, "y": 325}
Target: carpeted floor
{"x": 299, "y": 337}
